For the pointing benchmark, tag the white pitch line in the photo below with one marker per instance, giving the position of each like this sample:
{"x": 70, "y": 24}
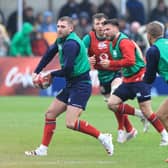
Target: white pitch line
{"x": 58, "y": 162}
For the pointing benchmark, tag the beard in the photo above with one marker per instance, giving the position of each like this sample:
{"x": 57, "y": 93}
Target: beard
{"x": 111, "y": 38}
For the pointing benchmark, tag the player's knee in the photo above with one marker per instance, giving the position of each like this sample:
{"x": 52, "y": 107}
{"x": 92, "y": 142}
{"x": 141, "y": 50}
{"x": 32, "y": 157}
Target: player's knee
{"x": 112, "y": 106}
{"x": 49, "y": 114}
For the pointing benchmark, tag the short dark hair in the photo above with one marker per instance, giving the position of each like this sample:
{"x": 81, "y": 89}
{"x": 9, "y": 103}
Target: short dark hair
{"x": 67, "y": 19}
{"x": 112, "y": 22}
{"x": 99, "y": 16}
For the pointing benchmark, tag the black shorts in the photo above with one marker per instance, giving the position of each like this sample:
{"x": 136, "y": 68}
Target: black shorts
{"x": 140, "y": 90}
{"x": 76, "y": 94}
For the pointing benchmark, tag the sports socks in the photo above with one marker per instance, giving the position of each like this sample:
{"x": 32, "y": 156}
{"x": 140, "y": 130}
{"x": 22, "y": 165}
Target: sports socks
{"x": 126, "y": 109}
{"x": 127, "y": 124}
{"x": 84, "y": 127}
{"x": 123, "y": 110}
{"x": 120, "y": 120}
{"x": 156, "y": 122}
{"x": 49, "y": 128}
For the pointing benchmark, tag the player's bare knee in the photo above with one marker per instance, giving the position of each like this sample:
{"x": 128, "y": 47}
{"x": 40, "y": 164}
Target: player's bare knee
{"x": 111, "y": 106}
{"x": 49, "y": 114}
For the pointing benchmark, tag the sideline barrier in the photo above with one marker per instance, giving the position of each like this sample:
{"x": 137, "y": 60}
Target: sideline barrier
{"x": 15, "y": 75}
{"x": 15, "y": 78}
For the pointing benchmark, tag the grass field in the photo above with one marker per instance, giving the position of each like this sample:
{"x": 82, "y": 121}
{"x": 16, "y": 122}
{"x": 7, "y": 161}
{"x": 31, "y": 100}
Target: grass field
{"x": 21, "y": 124}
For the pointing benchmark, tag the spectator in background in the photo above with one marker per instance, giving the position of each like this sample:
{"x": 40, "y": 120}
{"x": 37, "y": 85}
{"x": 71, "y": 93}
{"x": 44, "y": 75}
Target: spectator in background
{"x": 87, "y": 6}
{"x": 124, "y": 26}
{"x": 77, "y": 27}
{"x": 4, "y": 41}
{"x": 28, "y": 15}
{"x": 39, "y": 44}
{"x": 2, "y": 18}
{"x": 20, "y": 43}
{"x": 38, "y": 21}
{"x": 48, "y": 24}
{"x": 135, "y": 11}
{"x": 136, "y": 36}
{"x": 160, "y": 12}
{"x": 108, "y": 8}
{"x": 69, "y": 8}
{"x": 84, "y": 24}
{"x": 12, "y": 21}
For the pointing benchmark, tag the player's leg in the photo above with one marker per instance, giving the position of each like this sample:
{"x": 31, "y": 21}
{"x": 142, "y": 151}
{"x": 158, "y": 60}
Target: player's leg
{"x": 130, "y": 130}
{"x": 125, "y": 92}
{"x": 144, "y": 100}
{"x": 77, "y": 103}
{"x": 119, "y": 117}
{"x": 57, "y": 107}
{"x": 114, "y": 103}
{"x": 130, "y": 110}
{"x": 162, "y": 113}
{"x": 73, "y": 122}
{"x": 154, "y": 120}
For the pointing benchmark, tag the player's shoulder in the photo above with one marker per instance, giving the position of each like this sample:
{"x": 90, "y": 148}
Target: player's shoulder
{"x": 153, "y": 50}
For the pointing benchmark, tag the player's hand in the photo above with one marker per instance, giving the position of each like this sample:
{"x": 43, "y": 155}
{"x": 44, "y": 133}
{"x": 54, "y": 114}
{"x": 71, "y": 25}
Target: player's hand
{"x": 34, "y": 78}
{"x": 105, "y": 63}
{"x": 92, "y": 60}
{"x": 42, "y": 76}
{"x": 47, "y": 75}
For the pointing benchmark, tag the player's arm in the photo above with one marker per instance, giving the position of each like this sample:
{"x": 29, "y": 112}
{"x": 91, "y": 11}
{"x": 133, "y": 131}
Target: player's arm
{"x": 127, "y": 48}
{"x": 48, "y": 56}
{"x": 70, "y": 51}
{"x": 152, "y": 60}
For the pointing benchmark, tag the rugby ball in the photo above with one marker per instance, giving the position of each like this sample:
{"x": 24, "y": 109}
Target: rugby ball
{"x": 42, "y": 81}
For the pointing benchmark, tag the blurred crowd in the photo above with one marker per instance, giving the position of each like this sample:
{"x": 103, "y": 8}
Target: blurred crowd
{"x": 39, "y": 30}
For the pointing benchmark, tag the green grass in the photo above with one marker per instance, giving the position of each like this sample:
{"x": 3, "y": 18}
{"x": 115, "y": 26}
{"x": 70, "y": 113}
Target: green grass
{"x": 21, "y": 124}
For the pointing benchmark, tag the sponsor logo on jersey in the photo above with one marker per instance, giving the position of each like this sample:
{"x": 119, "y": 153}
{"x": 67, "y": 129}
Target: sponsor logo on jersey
{"x": 102, "y": 45}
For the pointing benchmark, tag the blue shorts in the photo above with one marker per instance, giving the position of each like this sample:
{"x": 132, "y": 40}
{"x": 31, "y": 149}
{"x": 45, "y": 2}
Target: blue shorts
{"x": 141, "y": 90}
{"x": 76, "y": 94}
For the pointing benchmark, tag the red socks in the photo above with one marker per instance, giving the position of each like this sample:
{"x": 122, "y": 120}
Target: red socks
{"x": 123, "y": 110}
{"x": 156, "y": 122}
{"x": 80, "y": 125}
{"x": 86, "y": 128}
{"x": 126, "y": 109}
{"x": 49, "y": 128}
{"x": 120, "y": 120}
{"x": 127, "y": 124}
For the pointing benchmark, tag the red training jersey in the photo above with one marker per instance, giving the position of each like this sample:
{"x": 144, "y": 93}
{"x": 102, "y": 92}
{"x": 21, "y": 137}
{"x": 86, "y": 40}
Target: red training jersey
{"x": 100, "y": 48}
